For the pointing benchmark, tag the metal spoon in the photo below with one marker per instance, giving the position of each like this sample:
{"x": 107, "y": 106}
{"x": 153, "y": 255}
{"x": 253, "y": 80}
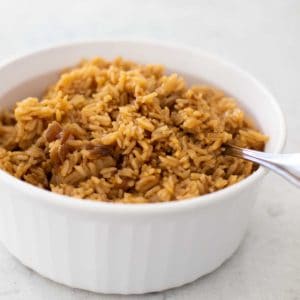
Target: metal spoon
{"x": 286, "y": 165}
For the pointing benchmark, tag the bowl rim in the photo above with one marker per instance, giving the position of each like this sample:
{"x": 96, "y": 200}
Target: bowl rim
{"x": 67, "y": 202}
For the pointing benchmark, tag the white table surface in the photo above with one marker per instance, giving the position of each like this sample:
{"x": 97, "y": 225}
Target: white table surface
{"x": 263, "y": 37}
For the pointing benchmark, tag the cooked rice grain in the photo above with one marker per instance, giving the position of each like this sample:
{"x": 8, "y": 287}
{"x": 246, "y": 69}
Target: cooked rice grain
{"x": 123, "y": 132}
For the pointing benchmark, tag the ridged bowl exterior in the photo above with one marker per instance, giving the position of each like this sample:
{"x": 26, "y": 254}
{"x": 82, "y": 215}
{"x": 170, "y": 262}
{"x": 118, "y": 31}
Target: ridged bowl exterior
{"x": 127, "y": 254}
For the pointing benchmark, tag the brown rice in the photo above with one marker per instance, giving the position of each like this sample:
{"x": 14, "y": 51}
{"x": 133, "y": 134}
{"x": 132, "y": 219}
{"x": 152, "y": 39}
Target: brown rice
{"x": 123, "y": 132}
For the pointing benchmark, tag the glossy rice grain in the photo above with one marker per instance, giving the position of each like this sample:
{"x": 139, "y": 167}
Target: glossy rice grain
{"x": 123, "y": 132}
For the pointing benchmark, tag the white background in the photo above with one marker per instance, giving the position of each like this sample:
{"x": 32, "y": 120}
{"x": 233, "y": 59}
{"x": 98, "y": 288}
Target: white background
{"x": 263, "y": 37}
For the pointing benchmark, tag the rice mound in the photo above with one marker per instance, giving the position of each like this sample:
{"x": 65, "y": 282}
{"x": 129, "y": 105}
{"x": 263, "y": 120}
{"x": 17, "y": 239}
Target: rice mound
{"x": 124, "y": 132}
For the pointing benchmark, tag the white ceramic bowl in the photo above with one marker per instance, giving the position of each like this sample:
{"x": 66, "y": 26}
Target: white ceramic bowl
{"x": 129, "y": 248}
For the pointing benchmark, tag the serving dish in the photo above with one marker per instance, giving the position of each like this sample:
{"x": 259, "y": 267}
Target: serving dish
{"x": 130, "y": 248}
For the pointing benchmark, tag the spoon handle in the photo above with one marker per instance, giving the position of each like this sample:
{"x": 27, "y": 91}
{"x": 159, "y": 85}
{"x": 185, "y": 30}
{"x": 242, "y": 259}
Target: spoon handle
{"x": 286, "y": 165}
